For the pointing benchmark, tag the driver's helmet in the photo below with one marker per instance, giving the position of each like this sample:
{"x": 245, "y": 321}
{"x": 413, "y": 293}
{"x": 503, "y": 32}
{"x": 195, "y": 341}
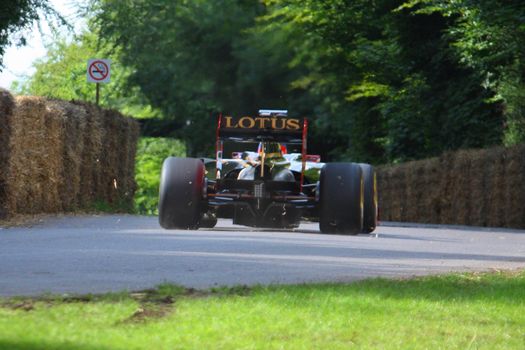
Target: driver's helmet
{"x": 273, "y": 152}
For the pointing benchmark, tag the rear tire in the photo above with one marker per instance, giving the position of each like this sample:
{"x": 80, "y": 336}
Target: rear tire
{"x": 180, "y": 194}
{"x": 341, "y": 198}
{"x": 370, "y": 198}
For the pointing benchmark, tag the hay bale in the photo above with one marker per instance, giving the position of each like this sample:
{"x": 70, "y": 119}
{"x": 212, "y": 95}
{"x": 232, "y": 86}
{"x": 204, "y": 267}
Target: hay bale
{"x": 388, "y": 201}
{"x": 133, "y": 137}
{"x": 60, "y": 156}
{"x": 110, "y": 160}
{"x": 35, "y": 166}
{"x": 392, "y": 192}
{"x": 22, "y": 161}
{"x": 128, "y": 182}
{"x": 442, "y": 204}
{"x": 514, "y": 190}
{"x": 414, "y": 191}
{"x": 7, "y": 107}
{"x": 459, "y": 188}
{"x": 107, "y": 176}
{"x": 405, "y": 190}
{"x": 430, "y": 179}
{"x": 130, "y": 132}
{"x": 469, "y": 187}
{"x": 495, "y": 181}
{"x": 91, "y": 151}
{"x": 478, "y": 189}
{"x": 123, "y": 166}
{"x": 74, "y": 128}
{"x": 419, "y": 193}
{"x": 384, "y": 189}
{"x": 397, "y": 193}
{"x": 421, "y": 189}
{"x": 53, "y": 168}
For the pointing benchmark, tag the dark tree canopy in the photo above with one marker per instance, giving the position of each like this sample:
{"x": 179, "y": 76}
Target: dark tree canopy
{"x": 16, "y": 15}
{"x": 382, "y": 81}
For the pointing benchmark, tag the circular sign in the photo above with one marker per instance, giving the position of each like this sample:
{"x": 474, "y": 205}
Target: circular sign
{"x": 98, "y": 70}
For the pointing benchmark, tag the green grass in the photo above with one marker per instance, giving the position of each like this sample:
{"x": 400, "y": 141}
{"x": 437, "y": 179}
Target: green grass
{"x": 462, "y": 311}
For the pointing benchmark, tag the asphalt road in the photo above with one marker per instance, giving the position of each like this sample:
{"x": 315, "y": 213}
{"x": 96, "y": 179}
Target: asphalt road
{"x": 109, "y": 253}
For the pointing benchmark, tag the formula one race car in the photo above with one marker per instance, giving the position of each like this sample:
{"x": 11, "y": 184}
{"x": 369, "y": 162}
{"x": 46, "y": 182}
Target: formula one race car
{"x": 265, "y": 186}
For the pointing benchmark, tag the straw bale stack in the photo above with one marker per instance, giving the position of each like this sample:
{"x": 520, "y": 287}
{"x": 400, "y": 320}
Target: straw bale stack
{"x": 35, "y": 168}
{"x": 74, "y": 127}
{"x": 92, "y": 140}
{"x": 479, "y": 179}
{"x": 429, "y": 189}
{"x": 468, "y": 187}
{"x": 109, "y": 175}
{"x": 25, "y": 168}
{"x": 404, "y": 191}
{"x": 7, "y": 106}
{"x": 129, "y": 185}
{"x": 392, "y": 193}
{"x": 62, "y": 156}
{"x": 494, "y": 185}
{"x": 515, "y": 187}
{"x": 111, "y": 161}
{"x": 126, "y": 184}
{"x": 413, "y": 176}
{"x": 457, "y": 188}
{"x": 384, "y": 194}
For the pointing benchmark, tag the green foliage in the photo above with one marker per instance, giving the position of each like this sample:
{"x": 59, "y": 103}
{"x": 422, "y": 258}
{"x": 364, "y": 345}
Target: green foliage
{"x": 151, "y": 152}
{"x": 383, "y": 81}
{"x": 62, "y": 74}
{"x": 489, "y": 37}
{"x": 183, "y": 55}
{"x": 388, "y": 80}
{"x": 17, "y": 16}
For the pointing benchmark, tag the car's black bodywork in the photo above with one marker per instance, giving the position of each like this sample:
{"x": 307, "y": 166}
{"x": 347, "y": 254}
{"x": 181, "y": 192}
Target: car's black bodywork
{"x": 265, "y": 192}
{"x": 262, "y": 201}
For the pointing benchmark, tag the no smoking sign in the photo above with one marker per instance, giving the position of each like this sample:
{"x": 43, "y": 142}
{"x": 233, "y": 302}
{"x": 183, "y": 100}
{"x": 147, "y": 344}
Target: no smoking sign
{"x": 98, "y": 70}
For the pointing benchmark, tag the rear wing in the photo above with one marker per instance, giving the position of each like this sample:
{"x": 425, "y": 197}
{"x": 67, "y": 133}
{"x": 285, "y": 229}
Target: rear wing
{"x": 269, "y": 125}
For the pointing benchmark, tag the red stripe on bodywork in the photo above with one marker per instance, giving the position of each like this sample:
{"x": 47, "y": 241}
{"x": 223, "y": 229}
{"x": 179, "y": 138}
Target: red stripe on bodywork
{"x": 303, "y": 151}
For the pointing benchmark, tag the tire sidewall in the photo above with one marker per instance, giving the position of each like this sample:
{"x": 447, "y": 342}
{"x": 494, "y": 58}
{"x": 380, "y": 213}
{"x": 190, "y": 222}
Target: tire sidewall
{"x": 181, "y": 192}
{"x": 341, "y": 198}
{"x": 370, "y": 198}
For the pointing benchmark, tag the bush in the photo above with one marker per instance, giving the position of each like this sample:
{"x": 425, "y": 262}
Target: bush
{"x": 151, "y": 153}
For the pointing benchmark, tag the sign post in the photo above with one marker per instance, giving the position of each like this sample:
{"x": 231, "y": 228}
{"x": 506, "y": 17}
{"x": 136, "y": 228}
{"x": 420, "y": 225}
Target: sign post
{"x": 98, "y": 71}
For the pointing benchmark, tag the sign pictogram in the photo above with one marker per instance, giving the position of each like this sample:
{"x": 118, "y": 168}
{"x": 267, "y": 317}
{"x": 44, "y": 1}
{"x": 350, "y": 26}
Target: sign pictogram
{"x": 98, "y": 70}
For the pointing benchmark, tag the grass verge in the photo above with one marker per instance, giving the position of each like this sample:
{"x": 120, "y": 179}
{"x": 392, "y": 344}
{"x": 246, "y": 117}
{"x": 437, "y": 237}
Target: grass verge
{"x": 459, "y": 311}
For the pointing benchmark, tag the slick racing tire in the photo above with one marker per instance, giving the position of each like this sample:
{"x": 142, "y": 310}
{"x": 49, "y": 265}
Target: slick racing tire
{"x": 370, "y": 198}
{"x": 181, "y": 193}
{"x": 341, "y": 198}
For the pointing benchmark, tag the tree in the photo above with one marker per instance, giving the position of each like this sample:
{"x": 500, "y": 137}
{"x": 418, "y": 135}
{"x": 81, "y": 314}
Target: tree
{"x": 183, "y": 55}
{"x": 489, "y": 37}
{"x": 388, "y": 81}
{"x": 19, "y": 15}
{"x": 62, "y": 74}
